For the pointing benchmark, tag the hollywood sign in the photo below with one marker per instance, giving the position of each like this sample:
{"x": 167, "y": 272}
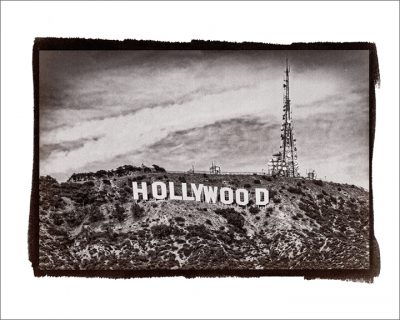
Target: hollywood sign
{"x": 199, "y": 193}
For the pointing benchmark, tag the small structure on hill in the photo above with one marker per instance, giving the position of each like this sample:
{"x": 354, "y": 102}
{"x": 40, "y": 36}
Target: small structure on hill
{"x": 311, "y": 174}
{"x": 277, "y": 165}
{"x": 214, "y": 169}
{"x": 191, "y": 170}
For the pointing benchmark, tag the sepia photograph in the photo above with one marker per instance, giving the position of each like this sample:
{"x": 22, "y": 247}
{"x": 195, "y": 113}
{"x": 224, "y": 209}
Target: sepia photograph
{"x": 208, "y": 161}
{"x": 199, "y": 160}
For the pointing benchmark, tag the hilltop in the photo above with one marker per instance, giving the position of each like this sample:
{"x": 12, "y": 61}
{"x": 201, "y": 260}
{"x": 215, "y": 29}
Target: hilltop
{"x": 92, "y": 222}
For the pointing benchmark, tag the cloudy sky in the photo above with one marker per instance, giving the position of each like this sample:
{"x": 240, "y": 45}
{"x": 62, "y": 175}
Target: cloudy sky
{"x": 103, "y": 109}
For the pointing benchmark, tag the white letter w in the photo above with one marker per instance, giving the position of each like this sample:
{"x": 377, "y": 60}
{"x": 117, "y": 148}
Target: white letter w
{"x": 210, "y": 194}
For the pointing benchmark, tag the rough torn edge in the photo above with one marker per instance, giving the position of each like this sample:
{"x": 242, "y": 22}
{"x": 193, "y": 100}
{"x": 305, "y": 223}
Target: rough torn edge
{"x": 359, "y": 275}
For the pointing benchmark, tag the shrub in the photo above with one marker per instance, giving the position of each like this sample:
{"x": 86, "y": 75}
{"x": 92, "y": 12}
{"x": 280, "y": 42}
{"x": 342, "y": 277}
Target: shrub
{"x": 232, "y": 216}
{"x": 49, "y": 180}
{"x": 57, "y": 219}
{"x": 119, "y": 213}
{"x": 89, "y": 184}
{"x": 57, "y": 231}
{"x": 257, "y": 181}
{"x": 101, "y": 173}
{"x": 74, "y": 218}
{"x": 320, "y": 196}
{"x": 277, "y": 200}
{"x": 247, "y": 186}
{"x": 180, "y": 220}
{"x": 324, "y": 193}
{"x": 318, "y": 182}
{"x": 161, "y": 230}
{"x": 81, "y": 194}
{"x": 254, "y": 209}
{"x": 198, "y": 231}
{"x": 272, "y": 194}
{"x": 95, "y": 214}
{"x": 107, "y": 182}
{"x": 158, "y": 168}
{"x": 182, "y": 179}
{"x": 137, "y": 211}
{"x": 339, "y": 189}
{"x": 295, "y": 190}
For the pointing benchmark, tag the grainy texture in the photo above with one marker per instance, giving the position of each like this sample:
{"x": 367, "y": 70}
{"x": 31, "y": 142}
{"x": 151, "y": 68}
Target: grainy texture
{"x": 97, "y": 225}
{"x": 77, "y": 228}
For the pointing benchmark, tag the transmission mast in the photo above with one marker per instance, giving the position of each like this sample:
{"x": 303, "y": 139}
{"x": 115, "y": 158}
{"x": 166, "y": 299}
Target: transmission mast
{"x": 284, "y": 163}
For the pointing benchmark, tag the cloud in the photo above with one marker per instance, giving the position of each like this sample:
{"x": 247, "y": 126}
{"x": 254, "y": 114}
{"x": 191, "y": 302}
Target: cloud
{"x": 104, "y": 109}
{"x": 47, "y": 149}
{"x": 236, "y": 144}
{"x": 124, "y": 134}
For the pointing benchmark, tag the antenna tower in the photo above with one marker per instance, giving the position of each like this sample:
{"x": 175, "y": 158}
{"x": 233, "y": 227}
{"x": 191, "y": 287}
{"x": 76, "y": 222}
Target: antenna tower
{"x": 284, "y": 163}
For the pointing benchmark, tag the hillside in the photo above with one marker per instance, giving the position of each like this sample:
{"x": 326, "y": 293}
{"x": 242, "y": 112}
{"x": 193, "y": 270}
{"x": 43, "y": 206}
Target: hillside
{"x": 95, "y": 224}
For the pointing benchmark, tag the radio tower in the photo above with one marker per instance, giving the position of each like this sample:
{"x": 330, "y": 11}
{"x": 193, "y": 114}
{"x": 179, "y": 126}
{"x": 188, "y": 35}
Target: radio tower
{"x": 284, "y": 163}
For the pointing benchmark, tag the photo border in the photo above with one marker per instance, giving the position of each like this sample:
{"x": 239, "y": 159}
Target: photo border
{"x": 366, "y": 275}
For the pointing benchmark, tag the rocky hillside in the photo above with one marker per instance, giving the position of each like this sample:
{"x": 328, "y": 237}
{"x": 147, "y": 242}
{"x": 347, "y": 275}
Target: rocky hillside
{"x": 92, "y": 222}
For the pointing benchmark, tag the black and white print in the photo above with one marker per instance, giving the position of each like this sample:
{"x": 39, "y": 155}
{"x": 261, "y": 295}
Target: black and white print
{"x": 293, "y": 122}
